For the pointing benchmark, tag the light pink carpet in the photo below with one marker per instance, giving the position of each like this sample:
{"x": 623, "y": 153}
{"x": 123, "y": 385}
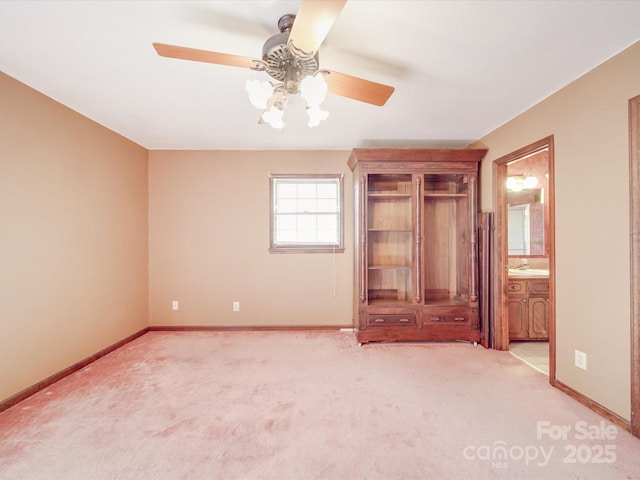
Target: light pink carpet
{"x": 293, "y": 405}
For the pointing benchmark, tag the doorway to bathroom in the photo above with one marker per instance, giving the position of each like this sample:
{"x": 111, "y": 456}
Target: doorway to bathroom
{"x": 524, "y": 253}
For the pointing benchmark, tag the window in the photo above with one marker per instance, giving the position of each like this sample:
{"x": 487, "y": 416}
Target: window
{"x": 306, "y": 213}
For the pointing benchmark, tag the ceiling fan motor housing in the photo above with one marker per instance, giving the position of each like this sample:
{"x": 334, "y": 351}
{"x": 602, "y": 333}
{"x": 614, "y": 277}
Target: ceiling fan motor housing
{"x": 284, "y": 63}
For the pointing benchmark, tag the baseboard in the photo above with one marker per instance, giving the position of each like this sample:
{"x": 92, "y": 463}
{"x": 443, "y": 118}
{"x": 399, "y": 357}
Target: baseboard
{"x": 247, "y": 328}
{"x": 595, "y": 406}
{"x": 33, "y": 389}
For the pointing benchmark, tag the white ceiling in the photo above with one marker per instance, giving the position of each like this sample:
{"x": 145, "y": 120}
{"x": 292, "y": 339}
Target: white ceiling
{"x": 460, "y": 68}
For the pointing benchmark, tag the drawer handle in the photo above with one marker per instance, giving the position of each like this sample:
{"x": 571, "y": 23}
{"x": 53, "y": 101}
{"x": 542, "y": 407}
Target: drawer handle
{"x": 459, "y": 319}
{"x": 405, "y": 320}
{"x": 435, "y": 319}
{"x": 379, "y": 320}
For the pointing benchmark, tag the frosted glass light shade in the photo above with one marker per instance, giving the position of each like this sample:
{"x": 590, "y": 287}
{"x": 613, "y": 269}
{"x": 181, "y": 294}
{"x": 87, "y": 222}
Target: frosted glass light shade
{"x": 273, "y": 117}
{"x": 316, "y": 115}
{"x": 259, "y": 93}
{"x": 313, "y": 89}
{"x": 519, "y": 183}
{"x": 513, "y": 184}
{"x": 272, "y": 99}
{"x": 530, "y": 182}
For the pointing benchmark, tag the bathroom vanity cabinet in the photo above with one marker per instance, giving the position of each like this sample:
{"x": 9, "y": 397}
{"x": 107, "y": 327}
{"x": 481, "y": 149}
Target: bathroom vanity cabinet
{"x": 528, "y": 307}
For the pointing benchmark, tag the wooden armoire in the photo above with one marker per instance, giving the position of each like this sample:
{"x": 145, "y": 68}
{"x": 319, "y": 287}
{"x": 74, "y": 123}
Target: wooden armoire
{"x": 416, "y": 253}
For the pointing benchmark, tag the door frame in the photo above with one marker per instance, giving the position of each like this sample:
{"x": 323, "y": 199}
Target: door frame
{"x": 501, "y": 250}
{"x": 634, "y": 227}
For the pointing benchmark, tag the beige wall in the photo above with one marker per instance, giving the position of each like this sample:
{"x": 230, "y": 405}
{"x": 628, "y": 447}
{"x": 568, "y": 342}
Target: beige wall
{"x": 73, "y": 237}
{"x": 209, "y": 240}
{"x": 589, "y": 122}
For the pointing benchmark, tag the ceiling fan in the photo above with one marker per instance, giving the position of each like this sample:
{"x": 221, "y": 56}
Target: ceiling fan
{"x": 291, "y": 58}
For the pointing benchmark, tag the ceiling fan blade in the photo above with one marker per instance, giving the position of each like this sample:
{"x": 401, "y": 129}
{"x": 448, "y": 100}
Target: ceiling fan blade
{"x": 358, "y": 88}
{"x": 185, "y": 53}
{"x": 313, "y": 22}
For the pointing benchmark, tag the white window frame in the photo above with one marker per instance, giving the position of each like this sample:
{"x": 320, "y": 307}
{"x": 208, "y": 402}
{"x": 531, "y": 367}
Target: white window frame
{"x": 279, "y": 245}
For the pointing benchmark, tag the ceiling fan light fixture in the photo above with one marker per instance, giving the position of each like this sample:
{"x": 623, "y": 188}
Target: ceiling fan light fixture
{"x": 259, "y": 92}
{"x": 316, "y": 115}
{"x": 273, "y": 117}
{"x": 274, "y": 108}
{"x": 313, "y": 89}
{"x": 273, "y": 99}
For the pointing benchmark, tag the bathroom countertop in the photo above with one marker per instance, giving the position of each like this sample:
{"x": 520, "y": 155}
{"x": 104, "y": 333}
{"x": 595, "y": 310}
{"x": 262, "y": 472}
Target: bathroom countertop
{"x": 528, "y": 273}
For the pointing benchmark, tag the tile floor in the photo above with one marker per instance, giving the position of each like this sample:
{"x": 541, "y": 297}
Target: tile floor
{"x": 535, "y": 354}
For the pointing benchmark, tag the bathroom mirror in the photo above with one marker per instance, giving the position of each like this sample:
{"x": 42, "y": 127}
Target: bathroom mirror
{"x": 527, "y": 222}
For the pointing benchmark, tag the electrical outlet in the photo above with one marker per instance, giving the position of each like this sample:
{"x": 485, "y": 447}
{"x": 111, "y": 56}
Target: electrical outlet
{"x": 174, "y": 305}
{"x": 581, "y": 360}
{"x": 236, "y": 306}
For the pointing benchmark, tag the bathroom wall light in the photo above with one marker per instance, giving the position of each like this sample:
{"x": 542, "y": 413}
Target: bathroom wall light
{"x": 517, "y": 183}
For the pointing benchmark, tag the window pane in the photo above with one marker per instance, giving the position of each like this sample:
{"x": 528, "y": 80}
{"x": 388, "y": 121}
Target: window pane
{"x": 327, "y": 205}
{"x": 287, "y": 236}
{"x": 306, "y": 212}
{"x": 327, "y": 190}
{"x": 286, "y": 190}
{"x": 286, "y": 222}
{"x": 287, "y": 205}
{"x": 307, "y": 190}
{"x": 306, "y": 228}
{"x": 307, "y": 205}
{"x": 286, "y": 228}
{"x": 327, "y": 228}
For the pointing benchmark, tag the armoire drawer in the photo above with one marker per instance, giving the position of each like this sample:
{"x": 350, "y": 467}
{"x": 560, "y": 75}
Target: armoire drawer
{"x": 446, "y": 315}
{"x": 384, "y": 319}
